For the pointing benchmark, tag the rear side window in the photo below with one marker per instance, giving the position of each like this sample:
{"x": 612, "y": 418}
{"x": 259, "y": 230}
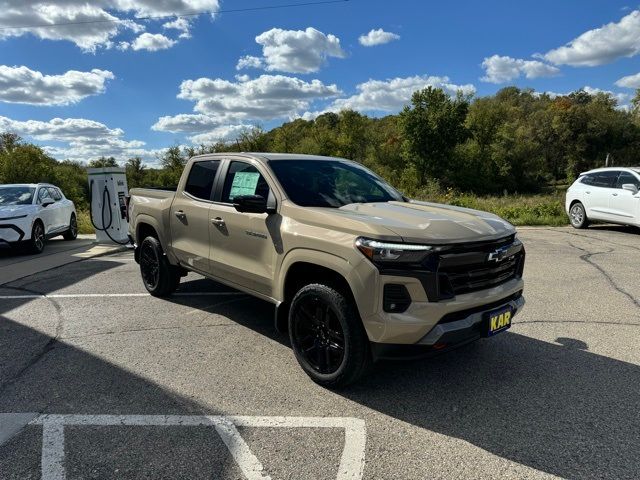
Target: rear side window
{"x": 626, "y": 177}
{"x": 201, "y": 178}
{"x": 604, "y": 179}
{"x": 243, "y": 179}
{"x": 55, "y": 194}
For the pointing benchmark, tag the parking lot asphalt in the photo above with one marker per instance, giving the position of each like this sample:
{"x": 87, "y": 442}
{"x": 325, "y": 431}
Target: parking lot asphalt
{"x": 112, "y": 383}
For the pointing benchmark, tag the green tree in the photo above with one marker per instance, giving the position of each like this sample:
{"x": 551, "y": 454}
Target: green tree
{"x": 135, "y": 172}
{"x": 103, "y": 162}
{"x": 433, "y": 126}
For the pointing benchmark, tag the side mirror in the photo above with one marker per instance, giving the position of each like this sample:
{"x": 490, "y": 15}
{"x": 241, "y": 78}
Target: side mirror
{"x": 250, "y": 204}
{"x": 46, "y": 203}
{"x": 631, "y": 187}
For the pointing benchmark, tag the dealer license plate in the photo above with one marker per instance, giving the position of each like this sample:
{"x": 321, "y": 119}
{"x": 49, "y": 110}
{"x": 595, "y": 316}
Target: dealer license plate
{"x": 499, "y": 320}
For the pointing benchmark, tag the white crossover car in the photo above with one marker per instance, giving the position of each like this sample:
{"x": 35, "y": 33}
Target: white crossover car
{"x": 606, "y": 195}
{"x": 32, "y": 213}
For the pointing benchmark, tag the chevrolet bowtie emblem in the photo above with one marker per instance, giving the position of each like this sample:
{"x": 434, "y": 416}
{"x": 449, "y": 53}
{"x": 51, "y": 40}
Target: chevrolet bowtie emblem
{"x": 498, "y": 255}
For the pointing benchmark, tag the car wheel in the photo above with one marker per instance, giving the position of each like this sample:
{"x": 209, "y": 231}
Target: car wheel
{"x": 72, "y": 233}
{"x": 36, "y": 242}
{"x": 160, "y": 278}
{"x": 327, "y": 336}
{"x": 578, "y": 216}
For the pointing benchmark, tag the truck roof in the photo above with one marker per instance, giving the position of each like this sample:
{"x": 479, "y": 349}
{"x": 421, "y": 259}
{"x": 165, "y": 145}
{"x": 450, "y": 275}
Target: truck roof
{"x": 271, "y": 156}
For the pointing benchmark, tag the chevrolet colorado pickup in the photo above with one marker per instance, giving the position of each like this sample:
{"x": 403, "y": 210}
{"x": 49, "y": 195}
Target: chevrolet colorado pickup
{"x": 355, "y": 270}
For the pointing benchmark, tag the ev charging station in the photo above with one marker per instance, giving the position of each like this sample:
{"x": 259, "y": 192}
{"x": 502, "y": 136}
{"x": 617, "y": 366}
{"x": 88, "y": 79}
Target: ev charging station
{"x": 108, "y": 204}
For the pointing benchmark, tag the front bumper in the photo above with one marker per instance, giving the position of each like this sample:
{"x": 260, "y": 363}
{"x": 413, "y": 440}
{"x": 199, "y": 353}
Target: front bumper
{"x": 11, "y": 233}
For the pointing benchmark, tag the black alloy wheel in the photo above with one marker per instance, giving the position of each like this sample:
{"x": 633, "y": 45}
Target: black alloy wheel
{"x": 72, "y": 233}
{"x": 318, "y": 335}
{"x": 149, "y": 265}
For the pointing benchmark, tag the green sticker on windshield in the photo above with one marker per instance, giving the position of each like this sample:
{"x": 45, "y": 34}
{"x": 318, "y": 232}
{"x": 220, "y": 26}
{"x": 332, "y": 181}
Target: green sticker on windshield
{"x": 244, "y": 183}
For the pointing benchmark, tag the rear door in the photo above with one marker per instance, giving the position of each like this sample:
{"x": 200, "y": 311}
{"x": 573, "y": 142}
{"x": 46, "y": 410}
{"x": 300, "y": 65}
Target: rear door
{"x": 242, "y": 247}
{"x": 60, "y": 212}
{"x": 623, "y": 203}
{"x": 189, "y": 216}
{"x": 598, "y": 193}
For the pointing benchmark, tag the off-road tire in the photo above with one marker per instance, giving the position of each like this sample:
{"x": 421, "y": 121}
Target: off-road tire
{"x": 160, "y": 278}
{"x": 356, "y": 357}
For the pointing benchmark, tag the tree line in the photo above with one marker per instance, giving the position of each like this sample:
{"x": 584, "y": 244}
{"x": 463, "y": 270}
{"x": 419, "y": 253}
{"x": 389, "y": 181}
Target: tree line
{"x": 514, "y": 141}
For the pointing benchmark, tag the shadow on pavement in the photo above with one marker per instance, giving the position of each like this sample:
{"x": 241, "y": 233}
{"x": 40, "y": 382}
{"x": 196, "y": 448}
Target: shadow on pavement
{"x": 41, "y": 374}
{"x": 557, "y": 408}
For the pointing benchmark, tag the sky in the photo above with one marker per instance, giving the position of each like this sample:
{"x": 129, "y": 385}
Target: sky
{"x": 129, "y": 78}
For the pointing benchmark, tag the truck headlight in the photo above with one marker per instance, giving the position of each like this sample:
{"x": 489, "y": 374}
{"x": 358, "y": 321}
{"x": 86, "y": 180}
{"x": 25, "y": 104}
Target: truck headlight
{"x": 385, "y": 253}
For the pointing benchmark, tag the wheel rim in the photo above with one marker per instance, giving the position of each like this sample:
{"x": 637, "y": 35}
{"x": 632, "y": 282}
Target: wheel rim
{"x": 318, "y": 335}
{"x": 38, "y": 236}
{"x": 149, "y": 266}
{"x": 73, "y": 227}
{"x": 577, "y": 215}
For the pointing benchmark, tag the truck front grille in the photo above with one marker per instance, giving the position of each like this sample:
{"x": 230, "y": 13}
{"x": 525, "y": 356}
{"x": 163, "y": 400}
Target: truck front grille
{"x": 469, "y": 268}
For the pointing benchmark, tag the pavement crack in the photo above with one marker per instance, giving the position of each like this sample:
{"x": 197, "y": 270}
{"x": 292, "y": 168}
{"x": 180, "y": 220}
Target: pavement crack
{"x": 586, "y": 257}
{"x": 575, "y": 234}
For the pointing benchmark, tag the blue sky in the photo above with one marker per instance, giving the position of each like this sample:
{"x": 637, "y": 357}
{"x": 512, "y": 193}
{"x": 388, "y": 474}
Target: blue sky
{"x": 135, "y": 87}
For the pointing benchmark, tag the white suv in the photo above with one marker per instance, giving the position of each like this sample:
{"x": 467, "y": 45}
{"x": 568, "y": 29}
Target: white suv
{"x": 32, "y": 213}
{"x": 606, "y": 195}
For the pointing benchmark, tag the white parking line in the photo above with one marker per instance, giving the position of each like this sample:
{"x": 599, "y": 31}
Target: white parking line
{"x": 351, "y": 462}
{"x": 111, "y": 295}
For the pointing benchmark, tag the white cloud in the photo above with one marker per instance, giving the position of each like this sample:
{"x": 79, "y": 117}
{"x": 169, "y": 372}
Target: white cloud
{"x": 23, "y": 85}
{"x": 377, "y": 37}
{"x": 391, "y": 95}
{"x": 223, "y": 108}
{"x": 264, "y": 98}
{"x": 77, "y": 138}
{"x": 249, "y": 61}
{"x": 220, "y": 134}
{"x": 500, "y": 69}
{"x": 182, "y": 25}
{"x": 601, "y": 45}
{"x": 95, "y": 23}
{"x": 630, "y": 81}
{"x": 152, "y": 42}
{"x": 297, "y": 51}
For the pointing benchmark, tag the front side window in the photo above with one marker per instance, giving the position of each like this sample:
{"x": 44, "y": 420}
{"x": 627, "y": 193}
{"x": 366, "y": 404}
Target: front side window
{"x": 625, "y": 178}
{"x": 243, "y": 179}
{"x": 16, "y": 195}
{"x": 201, "y": 178}
{"x": 44, "y": 195}
{"x": 331, "y": 183}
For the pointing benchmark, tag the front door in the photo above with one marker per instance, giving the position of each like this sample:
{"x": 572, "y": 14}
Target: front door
{"x": 189, "y": 216}
{"x": 242, "y": 246}
{"x": 624, "y": 204}
{"x": 48, "y": 213}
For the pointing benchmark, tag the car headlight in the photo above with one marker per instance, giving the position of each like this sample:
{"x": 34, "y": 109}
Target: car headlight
{"x": 385, "y": 253}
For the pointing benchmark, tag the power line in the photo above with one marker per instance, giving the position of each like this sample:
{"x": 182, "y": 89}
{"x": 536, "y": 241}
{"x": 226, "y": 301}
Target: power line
{"x": 180, "y": 15}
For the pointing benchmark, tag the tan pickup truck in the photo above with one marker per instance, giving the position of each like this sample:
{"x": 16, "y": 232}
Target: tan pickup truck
{"x": 356, "y": 271}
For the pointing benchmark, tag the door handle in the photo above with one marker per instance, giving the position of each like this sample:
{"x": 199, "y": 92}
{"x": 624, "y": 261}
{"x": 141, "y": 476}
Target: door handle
{"x": 588, "y": 192}
{"x": 614, "y": 194}
{"x": 218, "y": 222}
{"x": 181, "y": 215}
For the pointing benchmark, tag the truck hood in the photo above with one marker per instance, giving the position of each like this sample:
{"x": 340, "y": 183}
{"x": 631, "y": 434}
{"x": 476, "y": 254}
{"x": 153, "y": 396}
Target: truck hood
{"x": 418, "y": 222}
{"x": 7, "y": 211}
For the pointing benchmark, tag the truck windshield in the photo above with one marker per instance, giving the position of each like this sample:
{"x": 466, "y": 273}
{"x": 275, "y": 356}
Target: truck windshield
{"x": 331, "y": 183}
{"x": 16, "y": 195}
